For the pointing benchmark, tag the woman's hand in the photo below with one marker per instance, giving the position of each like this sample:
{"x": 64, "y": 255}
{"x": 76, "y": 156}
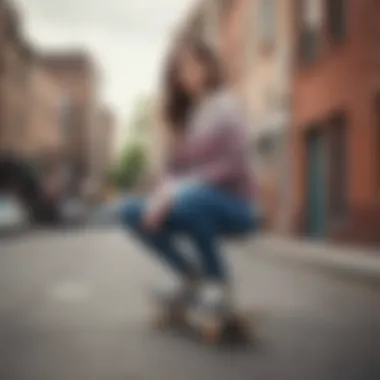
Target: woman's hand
{"x": 162, "y": 201}
{"x": 159, "y": 207}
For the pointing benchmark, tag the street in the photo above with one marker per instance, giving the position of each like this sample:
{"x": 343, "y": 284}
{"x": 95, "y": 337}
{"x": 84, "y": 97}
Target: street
{"x": 74, "y": 305}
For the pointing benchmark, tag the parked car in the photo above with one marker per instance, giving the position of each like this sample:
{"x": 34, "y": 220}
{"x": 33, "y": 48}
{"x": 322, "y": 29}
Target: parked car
{"x": 13, "y": 214}
{"x": 22, "y": 185}
{"x": 106, "y": 214}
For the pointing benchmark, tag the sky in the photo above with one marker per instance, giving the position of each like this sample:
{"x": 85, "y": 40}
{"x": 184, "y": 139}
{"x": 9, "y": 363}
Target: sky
{"x": 128, "y": 39}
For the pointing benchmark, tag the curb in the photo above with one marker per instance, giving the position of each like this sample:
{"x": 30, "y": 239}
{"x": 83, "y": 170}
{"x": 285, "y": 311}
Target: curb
{"x": 355, "y": 263}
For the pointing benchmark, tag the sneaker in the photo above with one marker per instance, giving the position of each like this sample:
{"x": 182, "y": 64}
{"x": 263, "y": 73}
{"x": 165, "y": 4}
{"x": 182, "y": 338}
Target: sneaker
{"x": 215, "y": 298}
{"x": 179, "y": 297}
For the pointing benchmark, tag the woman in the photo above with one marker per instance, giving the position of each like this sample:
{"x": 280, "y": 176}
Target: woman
{"x": 207, "y": 190}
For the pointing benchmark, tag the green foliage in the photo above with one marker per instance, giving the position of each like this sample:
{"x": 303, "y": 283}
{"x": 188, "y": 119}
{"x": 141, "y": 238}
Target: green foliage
{"x": 133, "y": 160}
{"x": 130, "y": 168}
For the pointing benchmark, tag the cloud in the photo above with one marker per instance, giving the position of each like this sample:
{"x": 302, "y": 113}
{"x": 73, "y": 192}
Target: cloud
{"x": 116, "y": 16}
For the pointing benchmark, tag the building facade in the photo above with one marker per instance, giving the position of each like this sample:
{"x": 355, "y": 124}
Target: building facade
{"x": 78, "y": 78}
{"x": 15, "y": 58}
{"x": 336, "y": 126}
{"x": 44, "y": 135}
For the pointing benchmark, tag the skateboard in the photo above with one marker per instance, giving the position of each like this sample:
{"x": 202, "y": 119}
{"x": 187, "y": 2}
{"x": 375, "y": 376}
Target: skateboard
{"x": 202, "y": 323}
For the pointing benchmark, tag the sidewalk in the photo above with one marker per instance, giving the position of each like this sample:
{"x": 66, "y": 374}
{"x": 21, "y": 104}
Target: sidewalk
{"x": 361, "y": 263}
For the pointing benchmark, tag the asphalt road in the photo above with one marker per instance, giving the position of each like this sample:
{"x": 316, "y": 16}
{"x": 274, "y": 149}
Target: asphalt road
{"x": 74, "y": 306}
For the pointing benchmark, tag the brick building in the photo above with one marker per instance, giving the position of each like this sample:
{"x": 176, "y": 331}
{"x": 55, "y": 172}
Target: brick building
{"x": 15, "y": 62}
{"x": 43, "y": 138}
{"x": 309, "y": 73}
{"x": 336, "y": 111}
{"x": 78, "y": 77}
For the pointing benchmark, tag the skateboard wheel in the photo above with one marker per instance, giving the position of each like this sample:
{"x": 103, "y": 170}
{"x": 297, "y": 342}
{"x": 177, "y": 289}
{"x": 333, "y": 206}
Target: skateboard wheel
{"x": 165, "y": 318}
{"x": 238, "y": 330}
{"x": 160, "y": 319}
{"x": 211, "y": 334}
{"x": 242, "y": 324}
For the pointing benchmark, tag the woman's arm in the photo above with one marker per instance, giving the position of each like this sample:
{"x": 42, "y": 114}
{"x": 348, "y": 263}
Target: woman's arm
{"x": 220, "y": 152}
{"x": 215, "y": 157}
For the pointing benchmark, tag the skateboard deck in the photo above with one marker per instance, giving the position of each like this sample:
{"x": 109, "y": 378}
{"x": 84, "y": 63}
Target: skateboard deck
{"x": 202, "y": 323}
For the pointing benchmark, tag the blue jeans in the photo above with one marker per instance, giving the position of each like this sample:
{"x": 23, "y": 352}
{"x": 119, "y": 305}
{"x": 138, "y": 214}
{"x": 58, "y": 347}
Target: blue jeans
{"x": 203, "y": 215}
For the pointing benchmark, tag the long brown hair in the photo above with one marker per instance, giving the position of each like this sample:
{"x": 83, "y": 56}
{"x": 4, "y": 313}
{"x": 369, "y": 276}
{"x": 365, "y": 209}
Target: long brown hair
{"x": 178, "y": 103}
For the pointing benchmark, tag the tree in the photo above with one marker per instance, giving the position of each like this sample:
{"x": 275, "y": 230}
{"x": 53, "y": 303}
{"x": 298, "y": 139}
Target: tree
{"x": 130, "y": 168}
{"x": 134, "y": 162}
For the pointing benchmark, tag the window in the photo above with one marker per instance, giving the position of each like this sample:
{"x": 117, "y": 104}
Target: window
{"x": 310, "y": 27}
{"x": 308, "y": 45}
{"x": 337, "y": 19}
{"x": 268, "y": 21}
{"x": 268, "y": 147}
{"x": 338, "y": 168}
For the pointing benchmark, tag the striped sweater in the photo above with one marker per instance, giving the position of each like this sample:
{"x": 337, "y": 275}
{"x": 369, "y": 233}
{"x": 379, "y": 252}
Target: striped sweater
{"x": 215, "y": 149}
